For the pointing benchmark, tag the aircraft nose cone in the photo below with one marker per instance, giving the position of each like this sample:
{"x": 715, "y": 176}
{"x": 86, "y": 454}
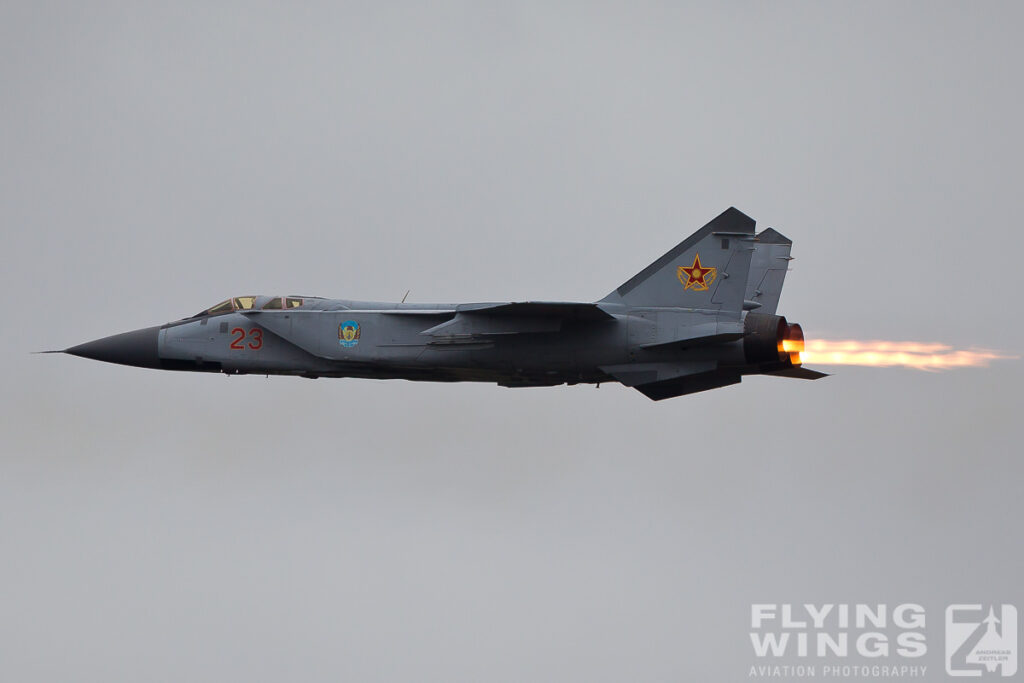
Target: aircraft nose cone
{"x": 138, "y": 348}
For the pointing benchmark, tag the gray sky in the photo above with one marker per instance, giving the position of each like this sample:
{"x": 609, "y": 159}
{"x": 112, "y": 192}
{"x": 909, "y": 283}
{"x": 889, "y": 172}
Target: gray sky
{"x": 171, "y": 526}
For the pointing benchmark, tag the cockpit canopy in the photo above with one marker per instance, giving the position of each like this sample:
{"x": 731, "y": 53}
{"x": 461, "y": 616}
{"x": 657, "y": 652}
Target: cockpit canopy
{"x": 248, "y": 303}
{"x": 279, "y": 302}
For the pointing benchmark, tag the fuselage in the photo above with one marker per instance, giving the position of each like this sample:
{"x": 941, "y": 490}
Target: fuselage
{"x": 344, "y": 338}
{"x": 699, "y": 317}
{"x": 318, "y": 337}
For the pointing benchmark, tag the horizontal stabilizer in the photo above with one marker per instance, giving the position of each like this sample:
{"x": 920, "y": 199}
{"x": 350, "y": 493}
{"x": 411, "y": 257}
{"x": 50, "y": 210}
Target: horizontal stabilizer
{"x": 798, "y": 373}
{"x": 658, "y": 391}
{"x": 637, "y": 374}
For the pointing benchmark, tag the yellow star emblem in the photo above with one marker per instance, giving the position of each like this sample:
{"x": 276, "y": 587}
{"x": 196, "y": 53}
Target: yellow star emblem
{"x": 697, "y": 277}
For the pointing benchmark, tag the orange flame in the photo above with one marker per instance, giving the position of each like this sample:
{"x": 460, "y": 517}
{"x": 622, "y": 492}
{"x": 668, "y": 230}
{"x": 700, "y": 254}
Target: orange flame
{"x": 793, "y": 345}
{"x": 919, "y": 355}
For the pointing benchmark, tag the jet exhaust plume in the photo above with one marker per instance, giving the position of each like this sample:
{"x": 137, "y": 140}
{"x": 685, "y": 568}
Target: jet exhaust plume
{"x": 930, "y": 356}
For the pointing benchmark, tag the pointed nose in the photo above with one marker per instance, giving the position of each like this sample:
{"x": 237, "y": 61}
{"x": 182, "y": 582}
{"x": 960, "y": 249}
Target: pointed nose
{"x": 138, "y": 348}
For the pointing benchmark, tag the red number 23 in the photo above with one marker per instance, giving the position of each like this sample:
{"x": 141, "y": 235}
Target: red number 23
{"x": 255, "y": 339}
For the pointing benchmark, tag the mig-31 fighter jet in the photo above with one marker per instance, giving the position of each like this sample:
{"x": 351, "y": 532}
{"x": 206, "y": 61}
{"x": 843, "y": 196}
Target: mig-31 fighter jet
{"x": 702, "y": 316}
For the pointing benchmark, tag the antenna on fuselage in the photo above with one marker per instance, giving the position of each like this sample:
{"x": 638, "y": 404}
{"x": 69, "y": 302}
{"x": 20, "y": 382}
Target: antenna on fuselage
{"x": 406, "y": 294}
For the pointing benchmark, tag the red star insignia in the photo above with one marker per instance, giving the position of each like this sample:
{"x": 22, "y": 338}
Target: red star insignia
{"x": 696, "y": 276}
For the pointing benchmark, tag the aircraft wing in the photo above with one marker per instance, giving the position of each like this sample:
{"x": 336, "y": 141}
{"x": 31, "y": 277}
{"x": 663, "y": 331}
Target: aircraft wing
{"x": 563, "y": 310}
{"x": 520, "y": 317}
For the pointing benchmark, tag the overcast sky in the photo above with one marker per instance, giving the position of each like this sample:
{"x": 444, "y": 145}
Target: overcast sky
{"x": 172, "y": 526}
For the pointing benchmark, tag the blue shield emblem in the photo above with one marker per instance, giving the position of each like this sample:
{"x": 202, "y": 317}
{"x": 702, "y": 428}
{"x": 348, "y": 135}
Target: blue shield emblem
{"x": 348, "y": 333}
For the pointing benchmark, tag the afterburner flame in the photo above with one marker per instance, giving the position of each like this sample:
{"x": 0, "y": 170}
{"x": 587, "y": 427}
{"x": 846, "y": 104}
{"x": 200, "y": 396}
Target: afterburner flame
{"x": 876, "y": 353}
{"x": 793, "y": 345}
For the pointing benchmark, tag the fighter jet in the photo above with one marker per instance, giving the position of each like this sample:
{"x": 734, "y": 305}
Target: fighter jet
{"x": 700, "y": 317}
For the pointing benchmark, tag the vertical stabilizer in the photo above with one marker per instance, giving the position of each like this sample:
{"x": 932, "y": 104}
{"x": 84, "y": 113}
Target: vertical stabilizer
{"x": 768, "y": 268}
{"x": 708, "y": 270}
